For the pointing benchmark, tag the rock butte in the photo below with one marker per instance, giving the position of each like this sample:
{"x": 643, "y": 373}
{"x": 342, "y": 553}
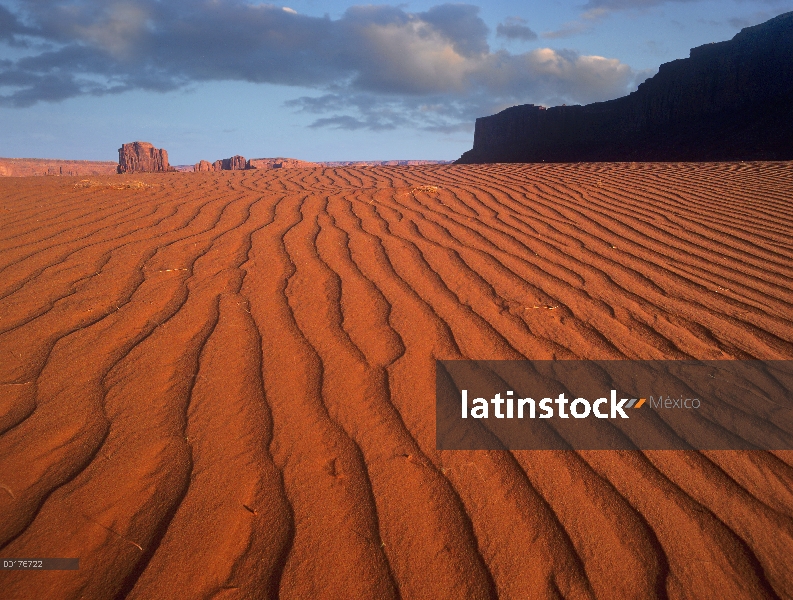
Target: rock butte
{"x": 235, "y": 163}
{"x": 142, "y": 157}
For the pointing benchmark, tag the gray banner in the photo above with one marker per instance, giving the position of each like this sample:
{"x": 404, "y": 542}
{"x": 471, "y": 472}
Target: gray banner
{"x": 614, "y": 405}
{"x": 40, "y": 564}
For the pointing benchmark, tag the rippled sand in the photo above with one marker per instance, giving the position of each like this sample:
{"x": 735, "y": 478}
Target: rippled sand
{"x": 221, "y": 385}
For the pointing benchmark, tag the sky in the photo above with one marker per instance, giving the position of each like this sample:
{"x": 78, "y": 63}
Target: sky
{"x": 322, "y": 81}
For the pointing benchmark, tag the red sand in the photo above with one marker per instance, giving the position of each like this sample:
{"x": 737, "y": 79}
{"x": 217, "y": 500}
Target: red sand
{"x": 22, "y": 167}
{"x": 222, "y": 384}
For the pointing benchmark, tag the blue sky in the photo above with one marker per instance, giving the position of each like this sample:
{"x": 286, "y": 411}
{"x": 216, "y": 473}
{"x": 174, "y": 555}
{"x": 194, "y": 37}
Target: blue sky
{"x": 207, "y": 79}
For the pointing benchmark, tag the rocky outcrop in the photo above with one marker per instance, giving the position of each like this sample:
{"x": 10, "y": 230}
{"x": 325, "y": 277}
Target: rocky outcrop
{"x": 142, "y": 157}
{"x": 238, "y": 163}
{"x": 728, "y": 101}
{"x": 235, "y": 163}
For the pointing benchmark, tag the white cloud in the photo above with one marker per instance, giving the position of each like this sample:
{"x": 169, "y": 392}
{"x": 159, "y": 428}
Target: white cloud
{"x": 118, "y": 31}
{"x": 410, "y": 58}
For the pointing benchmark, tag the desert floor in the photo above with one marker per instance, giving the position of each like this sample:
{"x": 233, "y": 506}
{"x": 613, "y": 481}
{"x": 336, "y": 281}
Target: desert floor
{"x": 221, "y": 385}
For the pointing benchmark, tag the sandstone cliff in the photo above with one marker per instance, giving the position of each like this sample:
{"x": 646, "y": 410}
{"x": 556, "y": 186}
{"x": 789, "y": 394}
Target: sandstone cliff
{"x": 204, "y": 165}
{"x": 235, "y": 163}
{"x": 141, "y": 157}
{"x": 728, "y": 101}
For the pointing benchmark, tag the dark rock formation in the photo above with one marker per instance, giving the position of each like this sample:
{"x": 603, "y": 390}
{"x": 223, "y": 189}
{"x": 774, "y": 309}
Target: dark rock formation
{"x": 728, "y": 101}
{"x": 141, "y": 157}
{"x": 235, "y": 163}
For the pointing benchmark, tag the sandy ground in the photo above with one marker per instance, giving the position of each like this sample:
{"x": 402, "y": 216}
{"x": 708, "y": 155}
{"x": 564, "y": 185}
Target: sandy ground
{"x": 22, "y": 167}
{"x": 221, "y": 385}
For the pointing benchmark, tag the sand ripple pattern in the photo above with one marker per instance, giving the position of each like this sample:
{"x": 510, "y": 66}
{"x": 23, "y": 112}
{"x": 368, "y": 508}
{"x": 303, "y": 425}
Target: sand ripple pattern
{"x": 221, "y": 385}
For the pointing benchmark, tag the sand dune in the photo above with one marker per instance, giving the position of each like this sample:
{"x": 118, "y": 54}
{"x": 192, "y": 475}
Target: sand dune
{"x": 221, "y": 385}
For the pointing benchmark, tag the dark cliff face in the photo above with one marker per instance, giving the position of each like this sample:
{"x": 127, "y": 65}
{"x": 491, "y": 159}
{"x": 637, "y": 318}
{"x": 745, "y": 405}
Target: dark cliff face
{"x": 728, "y": 101}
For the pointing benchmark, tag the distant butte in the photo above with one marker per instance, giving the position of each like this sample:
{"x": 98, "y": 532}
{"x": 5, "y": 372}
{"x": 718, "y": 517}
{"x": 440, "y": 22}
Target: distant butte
{"x": 730, "y": 100}
{"x": 142, "y": 157}
{"x": 238, "y": 163}
{"x": 235, "y": 163}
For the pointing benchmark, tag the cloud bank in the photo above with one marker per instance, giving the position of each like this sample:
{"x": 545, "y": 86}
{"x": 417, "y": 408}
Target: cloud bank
{"x": 375, "y": 67}
{"x": 515, "y": 28}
